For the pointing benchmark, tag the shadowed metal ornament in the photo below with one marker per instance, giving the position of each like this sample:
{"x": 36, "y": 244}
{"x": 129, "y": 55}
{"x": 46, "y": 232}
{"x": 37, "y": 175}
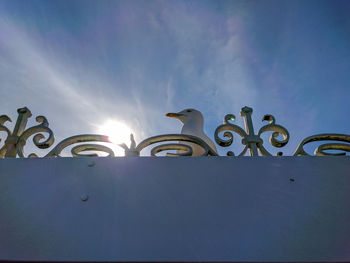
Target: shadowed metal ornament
{"x": 253, "y": 142}
{"x": 181, "y": 143}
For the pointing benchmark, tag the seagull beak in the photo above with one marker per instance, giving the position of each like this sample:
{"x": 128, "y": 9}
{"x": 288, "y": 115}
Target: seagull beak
{"x": 173, "y": 115}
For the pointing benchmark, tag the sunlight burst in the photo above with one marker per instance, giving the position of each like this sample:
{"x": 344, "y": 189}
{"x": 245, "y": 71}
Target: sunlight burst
{"x": 118, "y": 132}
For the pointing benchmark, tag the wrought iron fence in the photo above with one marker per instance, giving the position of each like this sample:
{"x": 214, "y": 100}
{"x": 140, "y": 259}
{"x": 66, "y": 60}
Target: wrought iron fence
{"x": 15, "y": 141}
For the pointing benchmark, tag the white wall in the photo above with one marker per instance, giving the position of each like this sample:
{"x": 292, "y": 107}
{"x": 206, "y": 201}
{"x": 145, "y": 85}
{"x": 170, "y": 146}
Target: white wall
{"x": 191, "y": 208}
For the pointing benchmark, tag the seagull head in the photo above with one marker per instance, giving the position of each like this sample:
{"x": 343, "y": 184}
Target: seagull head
{"x": 187, "y": 115}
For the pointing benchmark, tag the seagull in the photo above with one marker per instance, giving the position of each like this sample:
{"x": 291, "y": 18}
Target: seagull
{"x": 193, "y": 123}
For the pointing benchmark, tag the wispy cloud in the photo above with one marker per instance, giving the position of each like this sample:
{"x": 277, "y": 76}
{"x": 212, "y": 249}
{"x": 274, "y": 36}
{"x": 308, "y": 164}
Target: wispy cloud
{"x": 37, "y": 80}
{"x": 136, "y": 61}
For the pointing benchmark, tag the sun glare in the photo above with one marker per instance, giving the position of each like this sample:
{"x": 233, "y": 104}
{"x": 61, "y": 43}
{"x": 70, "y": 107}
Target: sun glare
{"x": 117, "y": 131}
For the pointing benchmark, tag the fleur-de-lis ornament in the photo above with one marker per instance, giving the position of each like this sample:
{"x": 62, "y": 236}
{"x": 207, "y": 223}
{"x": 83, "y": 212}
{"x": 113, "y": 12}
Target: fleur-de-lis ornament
{"x": 17, "y": 138}
{"x": 253, "y": 142}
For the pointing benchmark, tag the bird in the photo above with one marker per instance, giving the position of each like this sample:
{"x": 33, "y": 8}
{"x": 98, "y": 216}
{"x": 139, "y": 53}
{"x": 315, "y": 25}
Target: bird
{"x": 193, "y": 124}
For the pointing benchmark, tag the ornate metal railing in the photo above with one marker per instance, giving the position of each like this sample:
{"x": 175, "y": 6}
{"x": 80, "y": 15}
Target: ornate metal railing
{"x": 15, "y": 141}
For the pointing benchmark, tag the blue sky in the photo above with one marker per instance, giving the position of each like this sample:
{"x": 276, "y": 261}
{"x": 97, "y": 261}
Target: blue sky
{"x": 80, "y": 63}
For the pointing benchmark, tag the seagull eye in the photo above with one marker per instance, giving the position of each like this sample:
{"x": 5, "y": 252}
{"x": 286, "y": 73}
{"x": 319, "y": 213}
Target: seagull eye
{"x": 188, "y": 111}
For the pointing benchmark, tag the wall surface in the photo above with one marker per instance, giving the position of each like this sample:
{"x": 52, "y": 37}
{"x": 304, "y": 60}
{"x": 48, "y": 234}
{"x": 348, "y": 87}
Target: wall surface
{"x": 175, "y": 209}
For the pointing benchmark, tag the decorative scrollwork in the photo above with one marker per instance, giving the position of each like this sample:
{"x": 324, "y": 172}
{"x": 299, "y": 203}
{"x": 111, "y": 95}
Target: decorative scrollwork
{"x": 37, "y": 139}
{"x": 277, "y": 130}
{"x": 320, "y": 150}
{"x": 17, "y": 139}
{"x": 183, "y": 149}
{"x": 86, "y": 145}
{"x": 76, "y": 151}
{"x": 3, "y": 119}
{"x": 251, "y": 141}
{"x": 228, "y": 126}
